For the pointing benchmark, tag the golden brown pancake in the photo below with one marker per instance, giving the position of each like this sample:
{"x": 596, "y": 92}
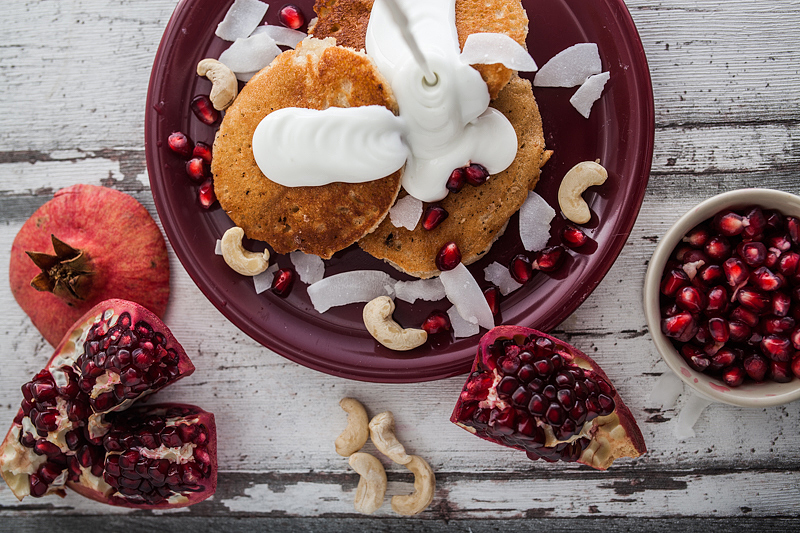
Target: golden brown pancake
{"x": 316, "y": 220}
{"x": 347, "y": 20}
{"x": 477, "y": 215}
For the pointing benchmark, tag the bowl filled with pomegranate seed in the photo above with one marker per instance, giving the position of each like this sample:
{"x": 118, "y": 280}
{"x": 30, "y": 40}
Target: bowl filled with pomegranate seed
{"x": 722, "y": 297}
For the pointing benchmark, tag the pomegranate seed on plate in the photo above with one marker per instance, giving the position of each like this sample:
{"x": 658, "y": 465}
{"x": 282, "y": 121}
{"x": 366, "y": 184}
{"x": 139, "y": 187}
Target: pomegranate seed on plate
{"x": 282, "y": 281}
{"x": 206, "y": 194}
{"x": 476, "y": 174}
{"x": 520, "y": 268}
{"x": 449, "y": 257}
{"x": 433, "y": 216}
{"x": 456, "y": 180}
{"x": 197, "y": 169}
{"x": 203, "y": 151}
{"x": 437, "y": 321}
{"x": 549, "y": 259}
{"x": 492, "y": 295}
{"x": 573, "y": 236}
{"x": 204, "y": 110}
{"x": 180, "y": 144}
{"x": 291, "y": 16}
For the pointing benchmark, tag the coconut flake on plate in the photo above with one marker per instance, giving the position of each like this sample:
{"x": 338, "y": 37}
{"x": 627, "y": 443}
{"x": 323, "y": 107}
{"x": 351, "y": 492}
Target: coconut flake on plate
{"x": 218, "y": 247}
{"x": 491, "y": 48}
{"x": 350, "y": 287}
{"x": 406, "y": 212}
{"x": 588, "y": 93}
{"x": 570, "y": 67}
{"x": 281, "y": 35}
{"x": 241, "y": 19}
{"x": 430, "y": 290}
{"x": 499, "y": 275}
{"x": 461, "y": 328}
{"x": 466, "y": 295}
{"x": 263, "y": 281}
{"x": 535, "y": 216}
{"x": 250, "y": 54}
{"x": 310, "y": 268}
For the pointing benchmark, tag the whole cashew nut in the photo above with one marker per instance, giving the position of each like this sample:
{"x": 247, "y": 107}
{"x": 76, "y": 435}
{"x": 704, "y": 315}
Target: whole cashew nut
{"x": 225, "y": 85}
{"x": 242, "y": 261}
{"x": 578, "y": 179}
{"x": 381, "y": 430}
{"x": 372, "y": 485}
{"x": 378, "y": 319}
{"x": 356, "y": 433}
{"x": 424, "y": 487}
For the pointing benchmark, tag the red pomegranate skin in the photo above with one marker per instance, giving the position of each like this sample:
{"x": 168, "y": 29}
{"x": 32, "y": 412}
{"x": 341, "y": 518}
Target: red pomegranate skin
{"x": 629, "y": 444}
{"x": 125, "y": 246}
{"x": 181, "y": 366}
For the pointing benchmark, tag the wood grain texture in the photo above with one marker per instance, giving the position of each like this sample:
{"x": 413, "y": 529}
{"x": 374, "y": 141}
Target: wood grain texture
{"x": 726, "y": 78}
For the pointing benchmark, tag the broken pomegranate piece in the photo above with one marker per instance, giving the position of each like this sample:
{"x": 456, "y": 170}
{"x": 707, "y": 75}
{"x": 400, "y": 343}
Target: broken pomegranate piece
{"x": 75, "y": 428}
{"x": 532, "y": 392}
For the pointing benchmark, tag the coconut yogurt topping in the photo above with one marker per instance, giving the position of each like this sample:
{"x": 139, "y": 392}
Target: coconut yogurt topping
{"x": 442, "y": 125}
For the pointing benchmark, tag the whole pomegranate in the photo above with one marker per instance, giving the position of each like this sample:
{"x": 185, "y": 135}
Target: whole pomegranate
{"x": 532, "y": 392}
{"x": 86, "y": 245}
{"x": 76, "y": 427}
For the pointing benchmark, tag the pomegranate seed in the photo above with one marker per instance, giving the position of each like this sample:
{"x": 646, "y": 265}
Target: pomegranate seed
{"x": 779, "y": 242}
{"x": 695, "y": 357}
{"x": 180, "y": 144}
{"x": 710, "y": 275}
{"x": 772, "y": 258}
{"x": 744, "y": 315}
{"x": 437, "y": 321}
{"x": 775, "y": 221}
{"x": 755, "y": 223}
{"x": 752, "y": 253}
{"x": 520, "y": 268}
{"x": 449, "y": 257}
{"x": 433, "y": 216}
{"x": 695, "y": 256}
{"x": 573, "y": 236}
{"x": 681, "y": 327}
{"x": 282, "y": 281}
{"x": 476, "y": 174}
{"x": 698, "y": 237}
{"x": 753, "y": 300}
{"x": 718, "y": 248}
{"x": 729, "y": 223}
{"x": 780, "y": 372}
{"x": 197, "y": 169}
{"x": 796, "y": 366}
{"x": 733, "y": 376}
{"x": 781, "y": 303}
{"x": 718, "y": 329}
{"x": 795, "y": 338}
{"x": 206, "y": 194}
{"x": 717, "y": 301}
{"x": 793, "y": 227}
{"x": 777, "y": 326}
{"x": 723, "y": 358}
{"x": 492, "y": 295}
{"x": 674, "y": 280}
{"x": 777, "y": 348}
{"x": 291, "y": 16}
{"x": 787, "y": 263}
{"x": 456, "y": 180}
{"x": 756, "y": 367}
{"x": 764, "y": 279}
{"x": 549, "y": 259}
{"x": 690, "y": 299}
{"x": 735, "y": 272}
{"x": 204, "y": 109}
{"x": 203, "y": 151}
{"x": 38, "y": 487}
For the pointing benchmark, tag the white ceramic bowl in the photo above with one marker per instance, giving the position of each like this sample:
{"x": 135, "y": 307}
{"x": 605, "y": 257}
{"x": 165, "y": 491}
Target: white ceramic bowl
{"x": 749, "y": 394}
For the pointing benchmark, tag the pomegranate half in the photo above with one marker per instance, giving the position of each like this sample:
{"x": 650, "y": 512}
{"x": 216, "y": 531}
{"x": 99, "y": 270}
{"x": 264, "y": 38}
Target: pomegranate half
{"x": 87, "y": 244}
{"x": 76, "y": 427}
{"x": 532, "y": 392}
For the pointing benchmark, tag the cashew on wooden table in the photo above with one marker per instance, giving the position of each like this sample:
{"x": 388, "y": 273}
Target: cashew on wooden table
{"x": 242, "y": 261}
{"x": 378, "y": 320}
{"x": 356, "y": 433}
{"x": 424, "y": 487}
{"x": 578, "y": 179}
{"x": 372, "y": 485}
{"x": 381, "y": 431}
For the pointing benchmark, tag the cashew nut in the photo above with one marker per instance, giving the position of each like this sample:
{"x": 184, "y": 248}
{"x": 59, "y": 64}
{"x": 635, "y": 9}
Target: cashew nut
{"x": 378, "y": 319}
{"x": 424, "y": 487}
{"x": 578, "y": 179}
{"x": 372, "y": 485}
{"x": 242, "y": 261}
{"x": 381, "y": 430}
{"x": 356, "y": 433}
{"x": 225, "y": 85}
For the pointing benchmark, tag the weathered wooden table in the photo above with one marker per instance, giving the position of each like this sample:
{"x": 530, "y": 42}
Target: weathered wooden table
{"x": 726, "y": 80}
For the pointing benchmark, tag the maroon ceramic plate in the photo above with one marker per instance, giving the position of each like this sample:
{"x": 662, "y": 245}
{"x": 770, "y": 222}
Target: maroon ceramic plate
{"x": 619, "y": 133}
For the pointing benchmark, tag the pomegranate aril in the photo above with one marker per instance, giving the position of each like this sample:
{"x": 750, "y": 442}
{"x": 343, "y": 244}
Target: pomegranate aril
{"x": 204, "y": 110}
{"x": 180, "y": 144}
{"x": 437, "y": 321}
{"x": 781, "y": 304}
{"x": 796, "y": 365}
{"x": 433, "y": 216}
{"x": 766, "y": 280}
{"x": 779, "y": 242}
{"x": 456, "y": 180}
{"x": 710, "y": 275}
{"x": 197, "y": 169}
{"x": 718, "y": 248}
{"x": 756, "y": 366}
{"x": 717, "y": 301}
{"x": 291, "y": 16}
{"x": 724, "y": 358}
{"x": 718, "y": 329}
{"x": 674, "y": 280}
{"x": 755, "y": 223}
{"x": 733, "y": 376}
{"x": 282, "y": 281}
{"x": 476, "y": 174}
{"x": 793, "y": 228}
{"x": 548, "y": 259}
{"x": 777, "y": 348}
{"x": 753, "y": 253}
{"x": 573, "y": 236}
{"x": 205, "y": 194}
{"x": 38, "y": 487}
{"x": 780, "y": 371}
{"x": 492, "y": 295}
{"x": 697, "y": 237}
{"x": 203, "y": 151}
{"x": 753, "y": 300}
{"x": 788, "y": 262}
{"x": 729, "y": 223}
{"x": 745, "y": 316}
{"x": 735, "y": 272}
{"x": 449, "y": 257}
{"x": 690, "y": 299}
{"x": 681, "y": 327}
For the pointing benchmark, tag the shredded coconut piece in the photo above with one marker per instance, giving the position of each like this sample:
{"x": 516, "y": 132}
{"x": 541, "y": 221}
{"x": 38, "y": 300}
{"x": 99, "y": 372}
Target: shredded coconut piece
{"x": 350, "y": 287}
{"x": 461, "y": 328}
{"x": 263, "y": 281}
{"x": 499, "y": 275}
{"x": 535, "y": 216}
{"x": 241, "y": 19}
{"x": 310, "y": 268}
{"x": 588, "y": 93}
{"x": 406, "y": 212}
{"x": 570, "y": 67}
{"x": 490, "y": 48}
{"x": 466, "y": 295}
{"x": 282, "y": 36}
{"x": 250, "y": 54}
{"x": 430, "y": 290}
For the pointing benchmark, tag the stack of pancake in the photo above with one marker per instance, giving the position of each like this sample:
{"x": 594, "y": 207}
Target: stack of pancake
{"x": 331, "y": 69}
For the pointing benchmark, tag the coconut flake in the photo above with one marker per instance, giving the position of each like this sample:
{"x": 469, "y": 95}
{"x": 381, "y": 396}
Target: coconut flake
{"x": 241, "y": 19}
{"x": 461, "y": 328}
{"x": 309, "y": 267}
{"x": 499, "y": 275}
{"x": 218, "y": 248}
{"x": 250, "y": 54}
{"x": 466, "y": 295}
{"x": 350, "y": 287}
{"x": 430, "y": 290}
{"x": 535, "y": 216}
{"x": 490, "y": 48}
{"x": 263, "y": 281}
{"x": 281, "y": 35}
{"x": 666, "y": 391}
{"x": 588, "y": 93}
{"x": 406, "y": 212}
{"x": 570, "y": 67}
